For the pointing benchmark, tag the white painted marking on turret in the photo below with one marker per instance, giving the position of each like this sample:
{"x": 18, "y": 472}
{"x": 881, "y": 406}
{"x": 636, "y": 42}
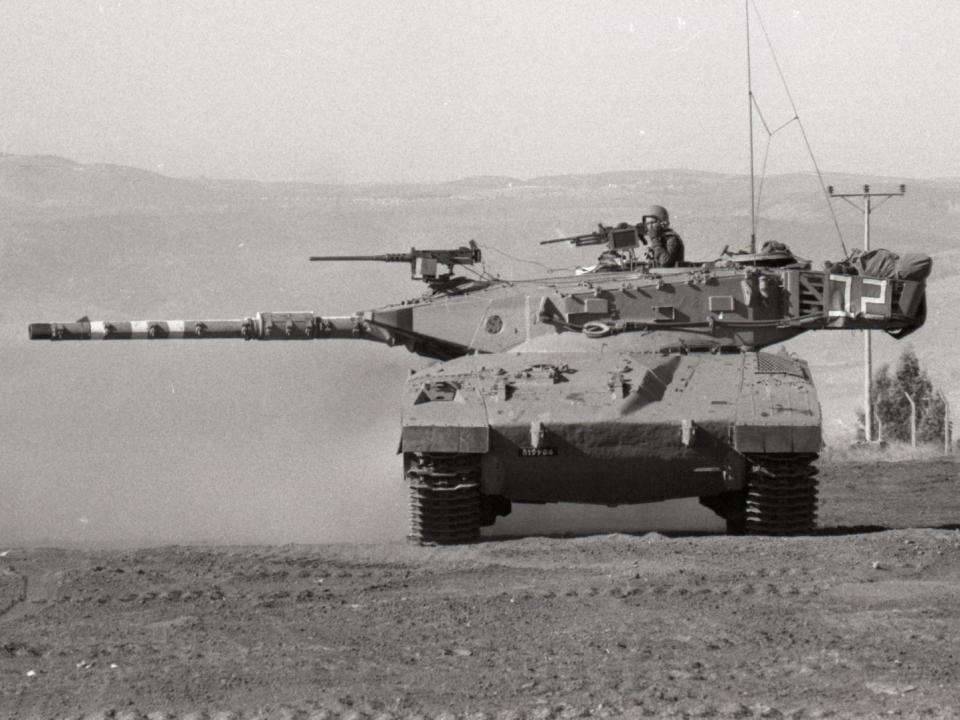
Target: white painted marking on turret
{"x": 880, "y": 299}
{"x": 844, "y": 311}
{"x": 97, "y": 329}
{"x": 177, "y": 328}
{"x": 536, "y": 433}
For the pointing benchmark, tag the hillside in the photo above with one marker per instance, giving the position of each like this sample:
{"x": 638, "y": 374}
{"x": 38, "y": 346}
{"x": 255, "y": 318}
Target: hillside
{"x": 855, "y": 621}
{"x": 130, "y": 443}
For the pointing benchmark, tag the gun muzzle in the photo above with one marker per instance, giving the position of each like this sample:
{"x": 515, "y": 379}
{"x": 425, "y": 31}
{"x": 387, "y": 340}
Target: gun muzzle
{"x": 40, "y": 331}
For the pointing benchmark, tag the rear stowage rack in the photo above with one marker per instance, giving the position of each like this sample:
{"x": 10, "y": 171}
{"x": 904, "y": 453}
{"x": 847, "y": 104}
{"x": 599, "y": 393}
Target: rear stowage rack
{"x": 811, "y": 300}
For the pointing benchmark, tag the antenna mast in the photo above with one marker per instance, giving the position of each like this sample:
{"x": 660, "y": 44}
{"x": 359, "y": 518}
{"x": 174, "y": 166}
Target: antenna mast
{"x": 753, "y": 208}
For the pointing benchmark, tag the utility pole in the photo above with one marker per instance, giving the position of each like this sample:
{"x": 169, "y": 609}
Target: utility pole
{"x": 946, "y": 424}
{"x": 867, "y": 208}
{"x": 913, "y": 419}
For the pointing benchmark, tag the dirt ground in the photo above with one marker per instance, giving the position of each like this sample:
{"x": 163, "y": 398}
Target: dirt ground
{"x": 861, "y": 619}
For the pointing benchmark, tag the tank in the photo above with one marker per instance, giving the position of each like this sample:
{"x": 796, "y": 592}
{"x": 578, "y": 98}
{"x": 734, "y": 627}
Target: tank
{"x": 616, "y": 384}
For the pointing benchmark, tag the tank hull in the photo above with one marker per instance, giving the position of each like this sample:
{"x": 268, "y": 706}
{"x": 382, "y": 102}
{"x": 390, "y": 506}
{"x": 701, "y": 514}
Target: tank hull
{"x": 613, "y": 428}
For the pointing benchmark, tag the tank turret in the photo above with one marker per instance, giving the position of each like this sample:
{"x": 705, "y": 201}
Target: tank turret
{"x": 738, "y": 302}
{"x": 622, "y": 384}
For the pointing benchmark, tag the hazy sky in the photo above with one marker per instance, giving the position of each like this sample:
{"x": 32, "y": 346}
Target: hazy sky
{"x": 361, "y": 90}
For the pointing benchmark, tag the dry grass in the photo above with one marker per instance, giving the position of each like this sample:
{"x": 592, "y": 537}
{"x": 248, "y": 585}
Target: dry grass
{"x": 889, "y": 452}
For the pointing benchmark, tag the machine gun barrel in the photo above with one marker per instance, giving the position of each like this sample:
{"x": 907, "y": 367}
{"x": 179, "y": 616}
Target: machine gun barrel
{"x": 384, "y": 257}
{"x": 463, "y": 255}
{"x": 579, "y": 240}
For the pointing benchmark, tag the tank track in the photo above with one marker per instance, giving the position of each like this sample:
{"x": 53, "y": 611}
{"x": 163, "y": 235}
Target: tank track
{"x": 780, "y": 497}
{"x": 445, "y": 500}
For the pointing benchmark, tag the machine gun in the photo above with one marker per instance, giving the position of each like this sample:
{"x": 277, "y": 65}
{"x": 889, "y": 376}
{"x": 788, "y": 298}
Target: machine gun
{"x": 424, "y": 264}
{"x": 622, "y": 237}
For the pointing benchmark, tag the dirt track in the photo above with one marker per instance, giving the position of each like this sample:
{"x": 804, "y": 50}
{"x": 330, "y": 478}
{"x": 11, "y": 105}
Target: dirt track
{"x": 859, "y": 620}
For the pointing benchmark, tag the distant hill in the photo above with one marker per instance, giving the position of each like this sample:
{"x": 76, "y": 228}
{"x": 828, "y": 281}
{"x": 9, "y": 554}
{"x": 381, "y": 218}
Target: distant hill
{"x": 484, "y": 182}
{"x": 931, "y": 207}
{"x": 50, "y": 181}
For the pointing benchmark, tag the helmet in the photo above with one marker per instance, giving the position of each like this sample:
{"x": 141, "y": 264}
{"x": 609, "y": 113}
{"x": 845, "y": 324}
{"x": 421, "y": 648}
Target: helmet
{"x": 657, "y": 211}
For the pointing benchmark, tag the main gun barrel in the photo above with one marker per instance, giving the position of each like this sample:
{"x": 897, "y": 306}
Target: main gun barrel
{"x": 262, "y": 326}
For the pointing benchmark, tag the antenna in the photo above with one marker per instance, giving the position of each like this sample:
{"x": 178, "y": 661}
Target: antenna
{"x": 753, "y": 196}
{"x": 868, "y": 208}
{"x": 754, "y": 105}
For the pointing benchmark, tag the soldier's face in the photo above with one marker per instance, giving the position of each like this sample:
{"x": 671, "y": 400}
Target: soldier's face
{"x": 651, "y": 225}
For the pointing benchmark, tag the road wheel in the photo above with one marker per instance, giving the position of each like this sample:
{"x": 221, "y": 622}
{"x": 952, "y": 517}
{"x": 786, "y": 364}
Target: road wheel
{"x": 492, "y": 507}
{"x": 732, "y": 507}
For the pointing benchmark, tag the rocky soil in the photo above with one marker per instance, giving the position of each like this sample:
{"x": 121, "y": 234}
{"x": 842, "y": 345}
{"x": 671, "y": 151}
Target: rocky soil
{"x": 861, "y": 619}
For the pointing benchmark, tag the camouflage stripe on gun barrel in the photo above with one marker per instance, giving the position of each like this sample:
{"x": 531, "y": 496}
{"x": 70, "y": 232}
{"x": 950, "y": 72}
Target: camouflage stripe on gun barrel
{"x": 262, "y": 326}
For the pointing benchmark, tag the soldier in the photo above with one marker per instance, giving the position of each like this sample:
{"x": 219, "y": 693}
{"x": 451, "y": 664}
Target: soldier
{"x": 664, "y": 245}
